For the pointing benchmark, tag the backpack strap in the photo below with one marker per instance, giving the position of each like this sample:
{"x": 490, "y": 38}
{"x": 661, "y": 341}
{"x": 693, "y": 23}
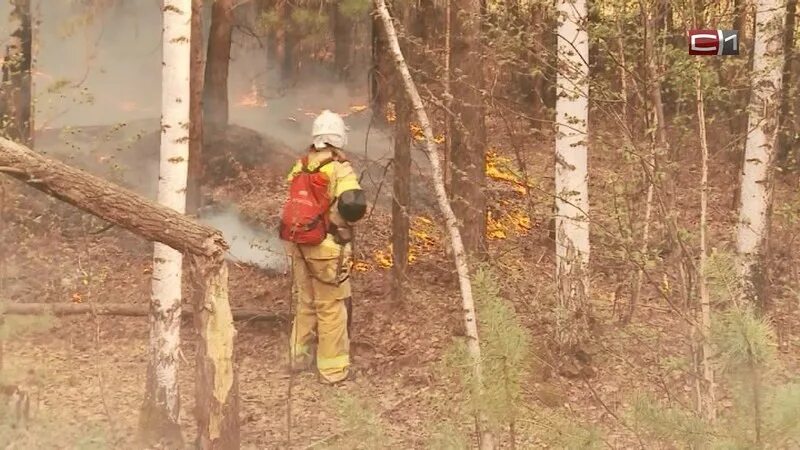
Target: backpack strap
{"x": 323, "y": 163}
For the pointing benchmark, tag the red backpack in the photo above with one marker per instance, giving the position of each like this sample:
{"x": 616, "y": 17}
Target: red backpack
{"x": 305, "y": 213}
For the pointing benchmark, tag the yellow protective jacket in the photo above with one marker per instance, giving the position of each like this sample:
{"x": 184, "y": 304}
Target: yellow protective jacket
{"x": 341, "y": 178}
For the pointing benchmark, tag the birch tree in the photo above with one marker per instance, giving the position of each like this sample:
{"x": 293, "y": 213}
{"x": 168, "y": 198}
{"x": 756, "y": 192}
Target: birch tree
{"x": 571, "y": 175}
{"x": 756, "y": 184}
{"x": 459, "y": 253}
{"x": 159, "y": 418}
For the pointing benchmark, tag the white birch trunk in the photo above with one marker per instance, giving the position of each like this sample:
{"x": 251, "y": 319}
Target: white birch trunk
{"x": 571, "y": 174}
{"x": 756, "y": 183}
{"x": 459, "y": 255}
{"x": 160, "y": 413}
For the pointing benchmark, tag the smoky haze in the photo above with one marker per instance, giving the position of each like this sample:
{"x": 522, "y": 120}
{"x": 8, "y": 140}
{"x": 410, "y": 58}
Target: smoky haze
{"x": 97, "y": 84}
{"x": 102, "y": 67}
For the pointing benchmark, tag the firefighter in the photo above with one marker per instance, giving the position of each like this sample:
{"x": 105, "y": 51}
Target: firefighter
{"x": 325, "y": 200}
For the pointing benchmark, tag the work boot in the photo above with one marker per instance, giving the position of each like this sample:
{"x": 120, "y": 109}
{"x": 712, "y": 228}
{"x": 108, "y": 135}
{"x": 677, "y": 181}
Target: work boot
{"x": 349, "y": 376}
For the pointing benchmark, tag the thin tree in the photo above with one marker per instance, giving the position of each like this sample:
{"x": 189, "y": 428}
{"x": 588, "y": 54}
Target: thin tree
{"x": 459, "y": 253}
{"x": 289, "y": 42}
{"x": 571, "y": 176}
{"x": 343, "y": 40}
{"x": 401, "y": 197}
{"x": 159, "y": 418}
{"x": 215, "y": 96}
{"x": 756, "y": 182}
{"x": 194, "y": 197}
{"x": 787, "y": 118}
{"x": 380, "y": 73}
{"x": 16, "y": 86}
{"x": 468, "y": 140}
{"x": 707, "y": 401}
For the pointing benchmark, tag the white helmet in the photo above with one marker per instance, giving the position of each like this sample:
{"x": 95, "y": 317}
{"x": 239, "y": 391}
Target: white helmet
{"x": 329, "y": 128}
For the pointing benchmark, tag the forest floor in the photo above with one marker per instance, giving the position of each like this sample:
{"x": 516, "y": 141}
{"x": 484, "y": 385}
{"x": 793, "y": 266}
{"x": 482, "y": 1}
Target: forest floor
{"x": 87, "y": 373}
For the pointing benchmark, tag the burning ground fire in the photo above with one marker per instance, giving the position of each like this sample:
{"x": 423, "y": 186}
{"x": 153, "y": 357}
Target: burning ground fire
{"x": 252, "y": 99}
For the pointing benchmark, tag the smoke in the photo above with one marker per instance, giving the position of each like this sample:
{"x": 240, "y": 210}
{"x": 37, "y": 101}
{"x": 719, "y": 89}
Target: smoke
{"x": 98, "y": 68}
{"x": 249, "y": 244}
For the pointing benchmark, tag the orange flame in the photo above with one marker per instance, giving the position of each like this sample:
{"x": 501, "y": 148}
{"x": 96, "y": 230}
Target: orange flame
{"x": 252, "y": 99}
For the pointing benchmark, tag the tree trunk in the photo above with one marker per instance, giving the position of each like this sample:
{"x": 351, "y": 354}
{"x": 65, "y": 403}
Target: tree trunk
{"x": 660, "y": 147}
{"x": 743, "y": 12}
{"x": 571, "y": 177}
{"x": 468, "y": 158}
{"x": 402, "y": 195}
{"x": 167, "y": 226}
{"x": 216, "y": 385}
{"x": 448, "y": 98}
{"x": 16, "y": 88}
{"x": 343, "y": 38}
{"x": 123, "y": 310}
{"x": 110, "y": 202}
{"x": 787, "y": 117}
{"x": 459, "y": 253}
{"x": 709, "y": 398}
{"x": 159, "y": 420}
{"x": 756, "y": 185}
{"x": 289, "y": 43}
{"x": 194, "y": 197}
{"x": 381, "y": 72}
{"x": 215, "y": 95}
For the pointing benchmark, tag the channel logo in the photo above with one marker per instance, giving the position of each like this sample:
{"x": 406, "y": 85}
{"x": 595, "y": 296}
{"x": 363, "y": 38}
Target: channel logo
{"x": 713, "y": 42}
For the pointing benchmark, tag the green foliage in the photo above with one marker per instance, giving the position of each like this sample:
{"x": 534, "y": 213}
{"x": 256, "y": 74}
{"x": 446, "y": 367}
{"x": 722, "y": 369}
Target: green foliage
{"x": 744, "y": 340}
{"x": 721, "y": 277}
{"x": 362, "y": 427}
{"x": 506, "y": 360}
{"x": 309, "y": 19}
{"x": 354, "y": 9}
{"x": 667, "y": 424}
{"x": 268, "y": 20}
{"x": 443, "y": 437}
{"x": 505, "y": 351}
{"x": 557, "y": 430}
{"x": 764, "y": 412}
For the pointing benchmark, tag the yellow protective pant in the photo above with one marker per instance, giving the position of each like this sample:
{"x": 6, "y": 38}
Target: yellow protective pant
{"x": 320, "y": 286}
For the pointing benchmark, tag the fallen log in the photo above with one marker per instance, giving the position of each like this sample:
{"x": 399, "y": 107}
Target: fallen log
{"x": 217, "y": 385}
{"x": 111, "y": 202}
{"x": 125, "y": 310}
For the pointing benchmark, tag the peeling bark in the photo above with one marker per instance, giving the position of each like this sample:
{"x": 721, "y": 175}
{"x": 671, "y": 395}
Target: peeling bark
{"x": 216, "y": 385}
{"x": 165, "y": 225}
